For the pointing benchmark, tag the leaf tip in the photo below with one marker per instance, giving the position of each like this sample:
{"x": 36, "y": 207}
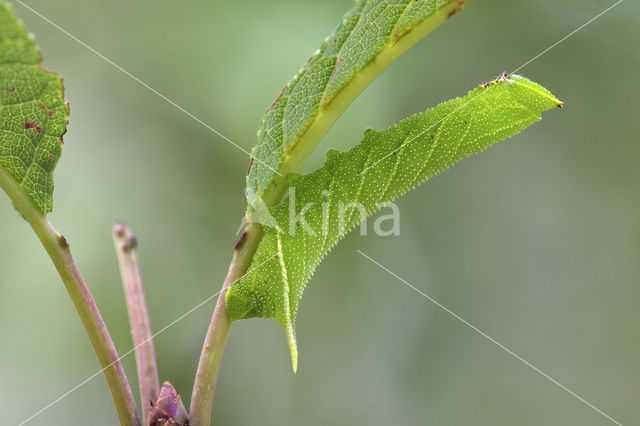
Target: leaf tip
{"x": 529, "y": 85}
{"x": 457, "y": 8}
{"x": 293, "y": 346}
{"x": 294, "y": 359}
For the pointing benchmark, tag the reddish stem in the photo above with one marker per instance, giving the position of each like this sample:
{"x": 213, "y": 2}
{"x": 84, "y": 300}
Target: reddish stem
{"x": 126, "y": 245}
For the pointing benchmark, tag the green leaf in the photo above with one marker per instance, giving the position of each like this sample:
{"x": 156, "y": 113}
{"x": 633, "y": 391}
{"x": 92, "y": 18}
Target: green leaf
{"x": 382, "y": 167}
{"x": 33, "y": 111}
{"x": 371, "y": 36}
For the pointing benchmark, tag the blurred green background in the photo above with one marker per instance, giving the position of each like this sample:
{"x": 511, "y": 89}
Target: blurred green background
{"x": 536, "y": 242}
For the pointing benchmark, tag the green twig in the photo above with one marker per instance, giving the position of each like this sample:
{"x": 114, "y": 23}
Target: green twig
{"x": 211, "y": 356}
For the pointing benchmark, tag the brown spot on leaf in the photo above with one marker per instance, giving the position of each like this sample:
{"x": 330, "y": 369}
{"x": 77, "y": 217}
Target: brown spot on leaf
{"x": 41, "y": 105}
{"x": 10, "y": 89}
{"x": 250, "y": 164}
{"x": 51, "y": 113}
{"x": 32, "y": 125}
{"x": 280, "y": 95}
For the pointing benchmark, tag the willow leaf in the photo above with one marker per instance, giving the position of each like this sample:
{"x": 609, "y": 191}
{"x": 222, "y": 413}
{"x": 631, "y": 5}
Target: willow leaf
{"x": 302, "y": 229}
{"x": 371, "y": 36}
{"x": 33, "y": 112}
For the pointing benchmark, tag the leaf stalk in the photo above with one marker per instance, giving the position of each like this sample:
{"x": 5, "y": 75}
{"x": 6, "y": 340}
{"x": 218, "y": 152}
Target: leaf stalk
{"x": 58, "y": 250}
{"x": 213, "y": 348}
{"x": 126, "y": 245}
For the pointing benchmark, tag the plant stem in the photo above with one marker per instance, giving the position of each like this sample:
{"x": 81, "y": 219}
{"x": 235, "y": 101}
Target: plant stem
{"x": 202, "y": 397}
{"x": 126, "y": 244}
{"x": 211, "y": 356}
{"x": 58, "y": 250}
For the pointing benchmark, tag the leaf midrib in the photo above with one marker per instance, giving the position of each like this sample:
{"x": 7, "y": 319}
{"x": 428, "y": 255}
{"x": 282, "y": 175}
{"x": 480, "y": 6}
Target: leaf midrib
{"x": 330, "y": 109}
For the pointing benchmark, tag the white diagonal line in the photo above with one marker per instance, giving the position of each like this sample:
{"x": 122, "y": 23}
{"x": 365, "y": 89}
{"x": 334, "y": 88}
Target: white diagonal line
{"x": 567, "y": 36}
{"x": 246, "y": 152}
{"x": 424, "y": 131}
{"x": 142, "y": 83}
{"x": 97, "y": 373}
{"x": 490, "y": 87}
{"x": 492, "y": 340}
{"x": 162, "y": 330}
